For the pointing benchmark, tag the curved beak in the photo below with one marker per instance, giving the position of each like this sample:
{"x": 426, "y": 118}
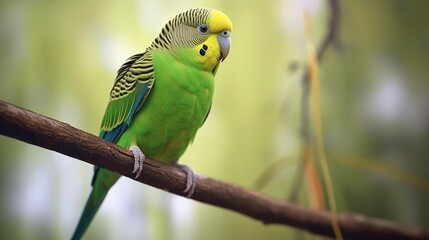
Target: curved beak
{"x": 224, "y": 40}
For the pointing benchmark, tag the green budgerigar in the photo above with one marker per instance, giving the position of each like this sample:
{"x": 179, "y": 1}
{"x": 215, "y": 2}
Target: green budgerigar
{"x": 161, "y": 97}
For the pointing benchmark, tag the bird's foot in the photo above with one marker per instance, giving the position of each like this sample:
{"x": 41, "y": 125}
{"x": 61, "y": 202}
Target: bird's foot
{"x": 190, "y": 180}
{"x": 138, "y": 160}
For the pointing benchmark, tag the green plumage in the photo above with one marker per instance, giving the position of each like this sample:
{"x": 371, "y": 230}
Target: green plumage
{"x": 159, "y": 100}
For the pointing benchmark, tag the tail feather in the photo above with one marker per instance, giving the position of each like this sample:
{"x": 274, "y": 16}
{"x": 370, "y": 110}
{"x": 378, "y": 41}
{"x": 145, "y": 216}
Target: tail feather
{"x": 92, "y": 205}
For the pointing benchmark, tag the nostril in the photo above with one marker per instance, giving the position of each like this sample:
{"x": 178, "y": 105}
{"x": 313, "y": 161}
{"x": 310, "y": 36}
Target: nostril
{"x": 225, "y": 33}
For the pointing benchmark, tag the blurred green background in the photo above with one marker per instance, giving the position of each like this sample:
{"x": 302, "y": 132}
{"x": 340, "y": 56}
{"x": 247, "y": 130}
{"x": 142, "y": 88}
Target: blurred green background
{"x": 59, "y": 58}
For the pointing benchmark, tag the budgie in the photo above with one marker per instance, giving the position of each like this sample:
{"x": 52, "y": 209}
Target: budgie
{"x": 161, "y": 97}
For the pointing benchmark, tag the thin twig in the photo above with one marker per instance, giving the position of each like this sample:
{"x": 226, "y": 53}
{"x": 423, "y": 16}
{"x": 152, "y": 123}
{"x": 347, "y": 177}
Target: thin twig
{"x": 329, "y": 39}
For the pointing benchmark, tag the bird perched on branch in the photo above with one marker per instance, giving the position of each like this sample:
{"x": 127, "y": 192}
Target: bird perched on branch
{"x": 161, "y": 97}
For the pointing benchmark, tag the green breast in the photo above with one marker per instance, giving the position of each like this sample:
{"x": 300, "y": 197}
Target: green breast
{"x": 174, "y": 110}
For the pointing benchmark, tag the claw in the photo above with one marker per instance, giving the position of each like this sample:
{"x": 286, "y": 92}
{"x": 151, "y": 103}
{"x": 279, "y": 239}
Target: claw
{"x": 190, "y": 180}
{"x": 138, "y": 160}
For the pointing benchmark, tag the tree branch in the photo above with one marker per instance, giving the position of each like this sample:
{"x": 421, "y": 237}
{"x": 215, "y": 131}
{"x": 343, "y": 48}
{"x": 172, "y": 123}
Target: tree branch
{"x": 48, "y": 133}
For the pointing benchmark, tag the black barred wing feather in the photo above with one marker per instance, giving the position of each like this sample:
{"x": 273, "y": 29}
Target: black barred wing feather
{"x": 132, "y": 86}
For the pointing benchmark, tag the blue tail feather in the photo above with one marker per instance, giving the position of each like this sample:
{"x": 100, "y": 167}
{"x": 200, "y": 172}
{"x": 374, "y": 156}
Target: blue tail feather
{"x": 91, "y": 207}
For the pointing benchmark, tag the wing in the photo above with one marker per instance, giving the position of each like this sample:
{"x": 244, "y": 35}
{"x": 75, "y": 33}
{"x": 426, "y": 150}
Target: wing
{"x": 132, "y": 86}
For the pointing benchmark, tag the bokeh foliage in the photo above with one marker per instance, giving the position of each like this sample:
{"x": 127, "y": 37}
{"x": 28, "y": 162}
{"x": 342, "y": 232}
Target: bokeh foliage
{"x": 59, "y": 58}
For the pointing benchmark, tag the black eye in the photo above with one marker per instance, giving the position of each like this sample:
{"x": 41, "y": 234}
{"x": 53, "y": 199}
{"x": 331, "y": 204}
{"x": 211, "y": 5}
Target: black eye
{"x": 203, "y": 29}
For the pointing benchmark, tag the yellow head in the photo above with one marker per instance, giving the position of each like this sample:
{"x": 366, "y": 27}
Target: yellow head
{"x": 199, "y": 37}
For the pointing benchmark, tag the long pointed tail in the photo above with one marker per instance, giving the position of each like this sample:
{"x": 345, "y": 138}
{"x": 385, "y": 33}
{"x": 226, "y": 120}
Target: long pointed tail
{"x": 92, "y": 205}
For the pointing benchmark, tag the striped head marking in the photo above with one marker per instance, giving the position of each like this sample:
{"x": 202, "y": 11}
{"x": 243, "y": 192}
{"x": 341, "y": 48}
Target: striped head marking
{"x": 199, "y": 36}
